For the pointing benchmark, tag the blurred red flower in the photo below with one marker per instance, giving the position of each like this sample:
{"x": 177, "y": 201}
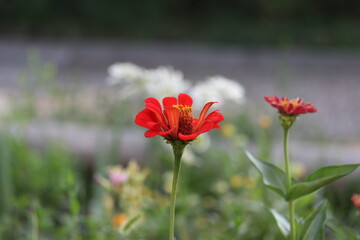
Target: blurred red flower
{"x": 176, "y": 122}
{"x": 355, "y": 198}
{"x": 291, "y": 107}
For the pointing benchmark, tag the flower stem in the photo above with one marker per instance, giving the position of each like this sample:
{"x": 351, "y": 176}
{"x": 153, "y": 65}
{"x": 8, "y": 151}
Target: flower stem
{"x": 288, "y": 178}
{"x": 178, "y": 149}
{"x": 286, "y": 156}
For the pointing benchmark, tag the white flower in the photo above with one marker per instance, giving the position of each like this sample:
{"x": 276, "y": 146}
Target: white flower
{"x": 228, "y": 89}
{"x": 125, "y": 72}
{"x": 165, "y": 81}
{"x": 204, "y": 92}
{"x": 220, "y": 89}
{"x": 130, "y": 78}
{"x": 134, "y": 80}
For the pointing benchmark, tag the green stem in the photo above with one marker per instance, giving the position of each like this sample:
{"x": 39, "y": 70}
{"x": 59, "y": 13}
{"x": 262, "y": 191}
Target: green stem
{"x": 178, "y": 148}
{"x": 286, "y": 156}
{"x": 288, "y": 177}
{"x": 292, "y": 220}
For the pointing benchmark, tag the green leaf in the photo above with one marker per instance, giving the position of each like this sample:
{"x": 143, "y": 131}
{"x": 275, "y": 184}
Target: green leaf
{"x": 131, "y": 222}
{"x": 282, "y": 222}
{"x": 341, "y": 231}
{"x": 313, "y": 227}
{"x": 318, "y": 179}
{"x": 273, "y": 177}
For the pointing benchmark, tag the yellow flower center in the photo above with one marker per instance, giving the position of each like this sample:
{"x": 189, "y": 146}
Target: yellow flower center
{"x": 183, "y": 108}
{"x": 185, "y": 119}
{"x": 288, "y": 102}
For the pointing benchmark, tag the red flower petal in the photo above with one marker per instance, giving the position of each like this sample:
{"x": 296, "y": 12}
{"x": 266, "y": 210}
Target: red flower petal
{"x": 172, "y": 115}
{"x": 203, "y": 113}
{"x": 160, "y": 117}
{"x": 188, "y": 137}
{"x": 144, "y": 117}
{"x": 290, "y": 107}
{"x": 215, "y": 116}
{"x": 169, "y": 101}
{"x": 298, "y": 100}
{"x": 272, "y": 100}
{"x": 153, "y": 107}
{"x": 167, "y": 132}
{"x": 185, "y": 99}
{"x": 205, "y": 127}
{"x": 175, "y": 121}
{"x": 151, "y": 133}
{"x": 217, "y": 126}
{"x": 153, "y": 101}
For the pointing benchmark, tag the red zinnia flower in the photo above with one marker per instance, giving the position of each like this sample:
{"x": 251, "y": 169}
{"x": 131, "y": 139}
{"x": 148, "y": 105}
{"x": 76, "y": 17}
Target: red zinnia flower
{"x": 176, "y": 122}
{"x": 291, "y": 107}
{"x": 355, "y": 198}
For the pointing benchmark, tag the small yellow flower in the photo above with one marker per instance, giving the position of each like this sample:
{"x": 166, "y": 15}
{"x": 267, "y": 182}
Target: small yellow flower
{"x": 236, "y": 181}
{"x": 250, "y": 182}
{"x": 264, "y": 121}
{"x": 118, "y": 220}
{"x": 228, "y": 129}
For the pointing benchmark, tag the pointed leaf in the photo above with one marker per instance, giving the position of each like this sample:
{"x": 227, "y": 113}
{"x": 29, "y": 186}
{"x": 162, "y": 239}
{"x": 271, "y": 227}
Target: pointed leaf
{"x": 318, "y": 179}
{"x": 313, "y": 227}
{"x": 273, "y": 177}
{"x": 131, "y": 222}
{"x": 282, "y": 222}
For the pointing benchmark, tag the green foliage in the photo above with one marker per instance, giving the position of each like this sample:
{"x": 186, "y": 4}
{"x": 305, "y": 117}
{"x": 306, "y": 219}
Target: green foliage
{"x": 341, "y": 231}
{"x": 282, "y": 222}
{"x": 313, "y": 226}
{"x": 273, "y": 177}
{"x": 52, "y": 195}
{"x": 319, "y": 179}
{"x": 44, "y": 189}
{"x": 131, "y": 222}
{"x": 41, "y": 175}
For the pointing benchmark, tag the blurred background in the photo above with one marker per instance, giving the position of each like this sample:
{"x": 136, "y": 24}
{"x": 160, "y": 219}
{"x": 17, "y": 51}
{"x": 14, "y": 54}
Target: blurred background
{"x": 67, "y": 104}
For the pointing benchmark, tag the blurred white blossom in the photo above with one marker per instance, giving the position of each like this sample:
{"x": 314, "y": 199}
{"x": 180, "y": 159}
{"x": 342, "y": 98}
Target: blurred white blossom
{"x": 204, "y": 92}
{"x": 125, "y": 72}
{"x": 159, "y": 82}
{"x": 129, "y": 77}
{"x": 220, "y": 89}
{"x": 165, "y": 81}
